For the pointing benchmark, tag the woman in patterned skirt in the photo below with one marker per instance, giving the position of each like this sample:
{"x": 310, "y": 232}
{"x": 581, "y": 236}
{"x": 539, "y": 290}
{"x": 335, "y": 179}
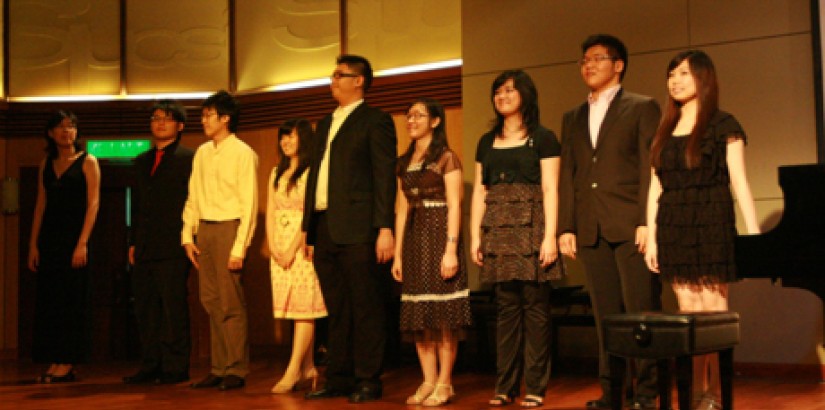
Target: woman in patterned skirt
{"x": 429, "y": 260}
{"x": 513, "y": 228}
{"x": 697, "y": 156}
{"x": 295, "y": 291}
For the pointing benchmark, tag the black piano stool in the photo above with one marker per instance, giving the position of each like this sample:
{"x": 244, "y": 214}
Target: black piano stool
{"x": 664, "y": 337}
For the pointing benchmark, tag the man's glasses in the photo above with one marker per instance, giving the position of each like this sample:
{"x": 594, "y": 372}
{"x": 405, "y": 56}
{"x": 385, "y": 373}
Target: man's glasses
{"x": 598, "y": 58}
{"x": 339, "y": 75}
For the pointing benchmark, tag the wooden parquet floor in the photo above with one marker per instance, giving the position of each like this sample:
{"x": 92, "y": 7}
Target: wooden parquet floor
{"x": 100, "y": 387}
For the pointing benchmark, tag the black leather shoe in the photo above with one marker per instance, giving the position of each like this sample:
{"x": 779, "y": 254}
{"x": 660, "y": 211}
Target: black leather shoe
{"x": 643, "y": 403}
{"x": 141, "y": 377}
{"x": 600, "y": 403}
{"x": 231, "y": 382}
{"x": 325, "y": 393}
{"x": 172, "y": 378}
{"x": 209, "y": 381}
{"x": 365, "y": 394}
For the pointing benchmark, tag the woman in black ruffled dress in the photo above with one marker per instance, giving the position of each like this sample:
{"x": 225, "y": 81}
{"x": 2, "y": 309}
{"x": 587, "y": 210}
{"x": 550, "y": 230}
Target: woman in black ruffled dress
{"x": 697, "y": 157}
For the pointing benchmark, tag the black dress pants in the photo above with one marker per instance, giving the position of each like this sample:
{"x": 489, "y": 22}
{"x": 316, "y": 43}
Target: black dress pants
{"x": 619, "y": 281}
{"x": 162, "y": 313}
{"x": 351, "y": 284}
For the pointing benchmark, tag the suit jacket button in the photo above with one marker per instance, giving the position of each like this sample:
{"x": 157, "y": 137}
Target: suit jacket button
{"x": 594, "y": 185}
{"x": 594, "y": 159}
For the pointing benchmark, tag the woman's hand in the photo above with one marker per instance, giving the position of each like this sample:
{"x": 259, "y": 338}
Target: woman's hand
{"x": 34, "y": 258}
{"x": 396, "y": 269}
{"x": 449, "y": 265}
{"x": 475, "y": 252}
{"x": 652, "y": 256}
{"x": 548, "y": 252}
{"x": 80, "y": 256}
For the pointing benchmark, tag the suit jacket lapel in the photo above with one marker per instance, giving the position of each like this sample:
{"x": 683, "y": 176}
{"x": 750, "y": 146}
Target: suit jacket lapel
{"x": 613, "y": 114}
{"x": 352, "y": 118}
{"x": 583, "y": 123}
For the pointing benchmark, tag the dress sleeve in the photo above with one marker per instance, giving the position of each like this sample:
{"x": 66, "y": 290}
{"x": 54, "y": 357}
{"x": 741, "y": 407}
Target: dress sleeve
{"x": 547, "y": 145}
{"x": 484, "y": 144}
{"x": 449, "y": 162}
{"x": 729, "y": 127}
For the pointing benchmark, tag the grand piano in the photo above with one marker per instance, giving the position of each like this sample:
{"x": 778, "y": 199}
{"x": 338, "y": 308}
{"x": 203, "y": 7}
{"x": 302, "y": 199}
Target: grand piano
{"x": 794, "y": 251}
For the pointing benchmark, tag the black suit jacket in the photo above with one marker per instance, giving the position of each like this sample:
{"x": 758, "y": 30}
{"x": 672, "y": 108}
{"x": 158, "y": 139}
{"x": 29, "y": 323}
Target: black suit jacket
{"x": 361, "y": 196}
{"x": 157, "y": 202}
{"x": 603, "y": 190}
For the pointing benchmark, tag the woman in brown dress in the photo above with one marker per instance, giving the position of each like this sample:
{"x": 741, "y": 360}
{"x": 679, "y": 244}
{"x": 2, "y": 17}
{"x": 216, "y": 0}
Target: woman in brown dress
{"x": 513, "y": 228}
{"x": 429, "y": 260}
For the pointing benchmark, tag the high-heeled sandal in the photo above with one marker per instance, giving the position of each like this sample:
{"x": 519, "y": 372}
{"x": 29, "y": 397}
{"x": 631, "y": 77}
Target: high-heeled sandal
{"x": 44, "y": 378}
{"x": 310, "y": 377}
{"x": 531, "y": 402}
{"x": 66, "y": 378}
{"x": 421, "y": 394}
{"x": 437, "y": 399}
{"x": 709, "y": 401}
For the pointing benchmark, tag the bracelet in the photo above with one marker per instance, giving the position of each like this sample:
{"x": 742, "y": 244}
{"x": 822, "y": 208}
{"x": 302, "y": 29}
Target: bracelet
{"x": 452, "y": 239}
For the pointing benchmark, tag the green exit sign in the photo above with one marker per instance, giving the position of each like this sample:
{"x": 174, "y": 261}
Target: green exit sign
{"x": 117, "y": 149}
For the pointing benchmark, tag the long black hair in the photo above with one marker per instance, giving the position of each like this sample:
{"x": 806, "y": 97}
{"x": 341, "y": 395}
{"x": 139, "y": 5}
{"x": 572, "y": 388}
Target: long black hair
{"x": 55, "y": 120}
{"x": 438, "y": 144}
{"x": 529, "y": 100}
{"x": 304, "y": 131}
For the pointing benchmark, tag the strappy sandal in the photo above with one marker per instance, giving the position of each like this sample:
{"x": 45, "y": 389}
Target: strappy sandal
{"x": 531, "y": 402}
{"x": 421, "y": 394}
{"x": 500, "y": 400}
{"x": 436, "y": 399}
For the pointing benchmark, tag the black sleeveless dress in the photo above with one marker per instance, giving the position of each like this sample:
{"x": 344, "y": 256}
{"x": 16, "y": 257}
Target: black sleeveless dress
{"x": 61, "y": 325}
{"x": 695, "y": 223}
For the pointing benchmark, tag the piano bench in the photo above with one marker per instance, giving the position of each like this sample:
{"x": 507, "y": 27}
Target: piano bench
{"x": 664, "y": 337}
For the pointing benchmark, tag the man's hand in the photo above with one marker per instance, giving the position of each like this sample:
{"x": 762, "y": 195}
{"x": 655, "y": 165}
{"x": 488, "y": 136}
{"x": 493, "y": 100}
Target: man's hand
{"x": 641, "y": 239}
{"x": 192, "y": 253}
{"x": 384, "y": 246}
{"x": 235, "y": 263}
{"x": 567, "y": 244}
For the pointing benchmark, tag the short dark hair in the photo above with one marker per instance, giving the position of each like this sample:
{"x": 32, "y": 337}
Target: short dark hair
{"x": 358, "y": 64}
{"x": 224, "y": 104}
{"x": 173, "y": 108}
{"x": 54, "y": 121}
{"x": 613, "y": 45}
{"x": 529, "y": 108}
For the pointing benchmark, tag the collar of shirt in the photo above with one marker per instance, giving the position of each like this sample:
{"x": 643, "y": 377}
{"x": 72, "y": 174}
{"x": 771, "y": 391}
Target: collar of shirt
{"x": 605, "y": 97}
{"x": 346, "y": 110}
{"x": 228, "y": 141}
{"x": 169, "y": 148}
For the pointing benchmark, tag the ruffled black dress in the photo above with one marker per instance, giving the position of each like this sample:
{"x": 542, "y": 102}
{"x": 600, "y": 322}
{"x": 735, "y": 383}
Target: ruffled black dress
{"x": 695, "y": 223}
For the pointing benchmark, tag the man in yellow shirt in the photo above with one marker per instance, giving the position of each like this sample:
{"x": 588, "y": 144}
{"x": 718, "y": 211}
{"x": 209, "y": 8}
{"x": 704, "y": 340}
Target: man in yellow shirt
{"x": 221, "y": 210}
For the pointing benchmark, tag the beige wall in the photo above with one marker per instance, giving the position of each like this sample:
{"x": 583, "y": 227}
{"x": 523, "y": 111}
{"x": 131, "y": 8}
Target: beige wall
{"x": 762, "y": 52}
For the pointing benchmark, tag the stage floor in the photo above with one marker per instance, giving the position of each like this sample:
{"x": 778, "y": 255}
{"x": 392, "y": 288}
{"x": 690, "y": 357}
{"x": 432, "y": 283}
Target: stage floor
{"x": 100, "y": 387}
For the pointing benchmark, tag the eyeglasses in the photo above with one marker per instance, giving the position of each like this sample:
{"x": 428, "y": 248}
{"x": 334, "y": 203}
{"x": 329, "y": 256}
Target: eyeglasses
{"x": 598, "y": 58}
{"x": 415, "y": 116}
{"x": 158, "y": 118}
{"x": 339, "y": 75}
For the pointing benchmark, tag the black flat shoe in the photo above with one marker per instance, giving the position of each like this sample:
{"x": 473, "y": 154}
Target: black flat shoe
{"x": 365, "y": 394}
{"x": 209, "y": 381}
{"x": 600, "y": 403}
{"x": 172, "y": 378}
{"x": 231, "y": 382}
{"x": 66, "y": 378}
{"x": 325, "y": 393}
{"x": 141, "y": 377}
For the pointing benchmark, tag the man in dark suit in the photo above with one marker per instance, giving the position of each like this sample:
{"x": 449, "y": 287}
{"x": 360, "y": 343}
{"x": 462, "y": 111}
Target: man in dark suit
{"x": 348, "y": 215}
{"x": 603, "y": 197}
{"x": 160, "y": 264}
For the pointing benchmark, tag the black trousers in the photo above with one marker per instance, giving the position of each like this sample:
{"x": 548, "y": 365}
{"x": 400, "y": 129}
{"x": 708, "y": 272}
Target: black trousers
{"x": 162, "y": 313}
{"x": 522, "y": 337}
{"x": 619, "y": 281}
{"x": 351, "y": 284}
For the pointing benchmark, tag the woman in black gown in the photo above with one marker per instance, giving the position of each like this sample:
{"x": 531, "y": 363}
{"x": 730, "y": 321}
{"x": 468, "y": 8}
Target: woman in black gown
{"x": 697, "y": 156}
{"x": 67, "y": 203}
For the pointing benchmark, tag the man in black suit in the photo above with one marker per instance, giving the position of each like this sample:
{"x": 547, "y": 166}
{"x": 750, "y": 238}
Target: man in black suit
{"x": 603, "y": 197}
{"x": 348, "y": 215}
{"x": 160, "y": 264}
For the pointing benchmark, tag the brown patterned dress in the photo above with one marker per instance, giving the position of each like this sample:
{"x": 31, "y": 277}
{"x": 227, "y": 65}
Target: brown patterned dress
{"x": 430, "y": 305}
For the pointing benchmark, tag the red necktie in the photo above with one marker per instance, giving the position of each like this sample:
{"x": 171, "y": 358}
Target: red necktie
{"x": 158, "y": 156}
